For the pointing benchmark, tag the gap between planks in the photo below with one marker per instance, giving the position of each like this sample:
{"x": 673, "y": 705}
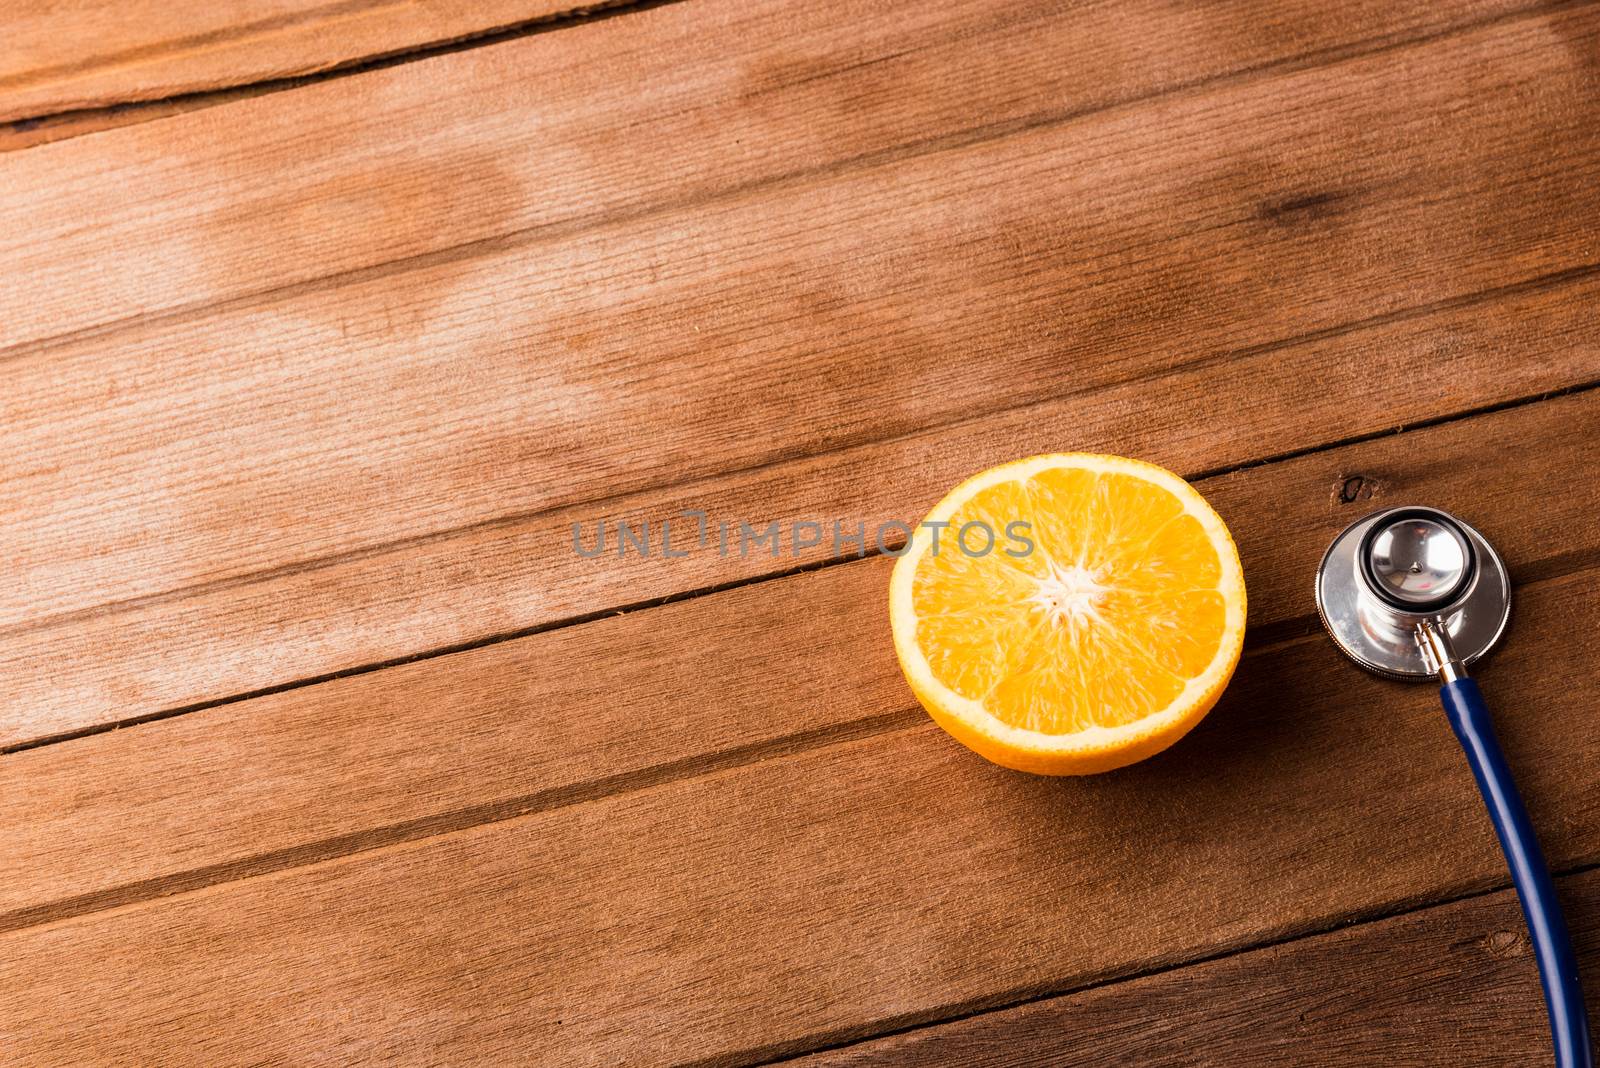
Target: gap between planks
{"x": 46, "y": 127}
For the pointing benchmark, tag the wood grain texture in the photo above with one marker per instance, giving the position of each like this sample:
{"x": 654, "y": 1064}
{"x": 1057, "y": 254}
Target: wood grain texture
{"x": 480, "y": 394}
{"x": 629, "y": 903}
{"x": 601, "y": 122}
{"x": 830, "y": 894}
{"x": 91, "y": 54}
{"x": 1445, "y": 986}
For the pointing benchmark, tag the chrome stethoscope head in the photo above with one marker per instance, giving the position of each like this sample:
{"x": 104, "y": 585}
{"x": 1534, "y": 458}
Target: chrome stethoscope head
{"x": 1413, "y": 593}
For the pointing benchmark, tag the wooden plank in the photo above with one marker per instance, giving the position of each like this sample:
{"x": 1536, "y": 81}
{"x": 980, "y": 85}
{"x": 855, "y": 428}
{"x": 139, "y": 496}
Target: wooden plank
{"x": 899, "y": 877}
{"x": 1445, "y": 986}
{"x": 600, "y": 121}
{"x": 87, "y": 54}
{"x": 998, "y": 285}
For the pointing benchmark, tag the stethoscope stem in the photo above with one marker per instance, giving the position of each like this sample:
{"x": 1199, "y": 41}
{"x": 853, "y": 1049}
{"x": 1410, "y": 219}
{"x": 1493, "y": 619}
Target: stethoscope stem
{"x": 1552, "y": 946}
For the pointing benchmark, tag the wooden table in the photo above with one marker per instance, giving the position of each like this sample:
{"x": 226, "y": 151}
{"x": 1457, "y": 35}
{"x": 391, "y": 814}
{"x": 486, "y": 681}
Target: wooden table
{"x": 324, "y": 324}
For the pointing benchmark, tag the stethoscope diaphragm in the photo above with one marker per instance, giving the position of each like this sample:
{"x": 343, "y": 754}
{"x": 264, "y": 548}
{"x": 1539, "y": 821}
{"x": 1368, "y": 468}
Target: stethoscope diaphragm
{"x": 1388, "y": 572}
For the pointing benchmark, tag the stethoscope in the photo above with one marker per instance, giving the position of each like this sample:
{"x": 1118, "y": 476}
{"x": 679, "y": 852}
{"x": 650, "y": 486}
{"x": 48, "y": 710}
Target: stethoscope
{"x": 1414, "y": 593}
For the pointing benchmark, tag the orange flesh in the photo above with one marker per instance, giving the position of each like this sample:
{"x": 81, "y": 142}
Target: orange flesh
{"x": 1107, "y": 619}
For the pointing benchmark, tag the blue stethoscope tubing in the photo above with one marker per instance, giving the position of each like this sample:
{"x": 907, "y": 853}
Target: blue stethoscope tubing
{"x": 1552, "y": 945}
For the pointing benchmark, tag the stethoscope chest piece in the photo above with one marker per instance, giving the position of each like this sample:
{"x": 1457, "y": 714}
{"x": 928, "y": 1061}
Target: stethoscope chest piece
{"x": 1394, "y": 570}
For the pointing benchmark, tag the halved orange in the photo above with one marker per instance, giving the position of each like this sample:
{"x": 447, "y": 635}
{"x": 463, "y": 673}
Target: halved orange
{"x": 1095, "y": 635}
